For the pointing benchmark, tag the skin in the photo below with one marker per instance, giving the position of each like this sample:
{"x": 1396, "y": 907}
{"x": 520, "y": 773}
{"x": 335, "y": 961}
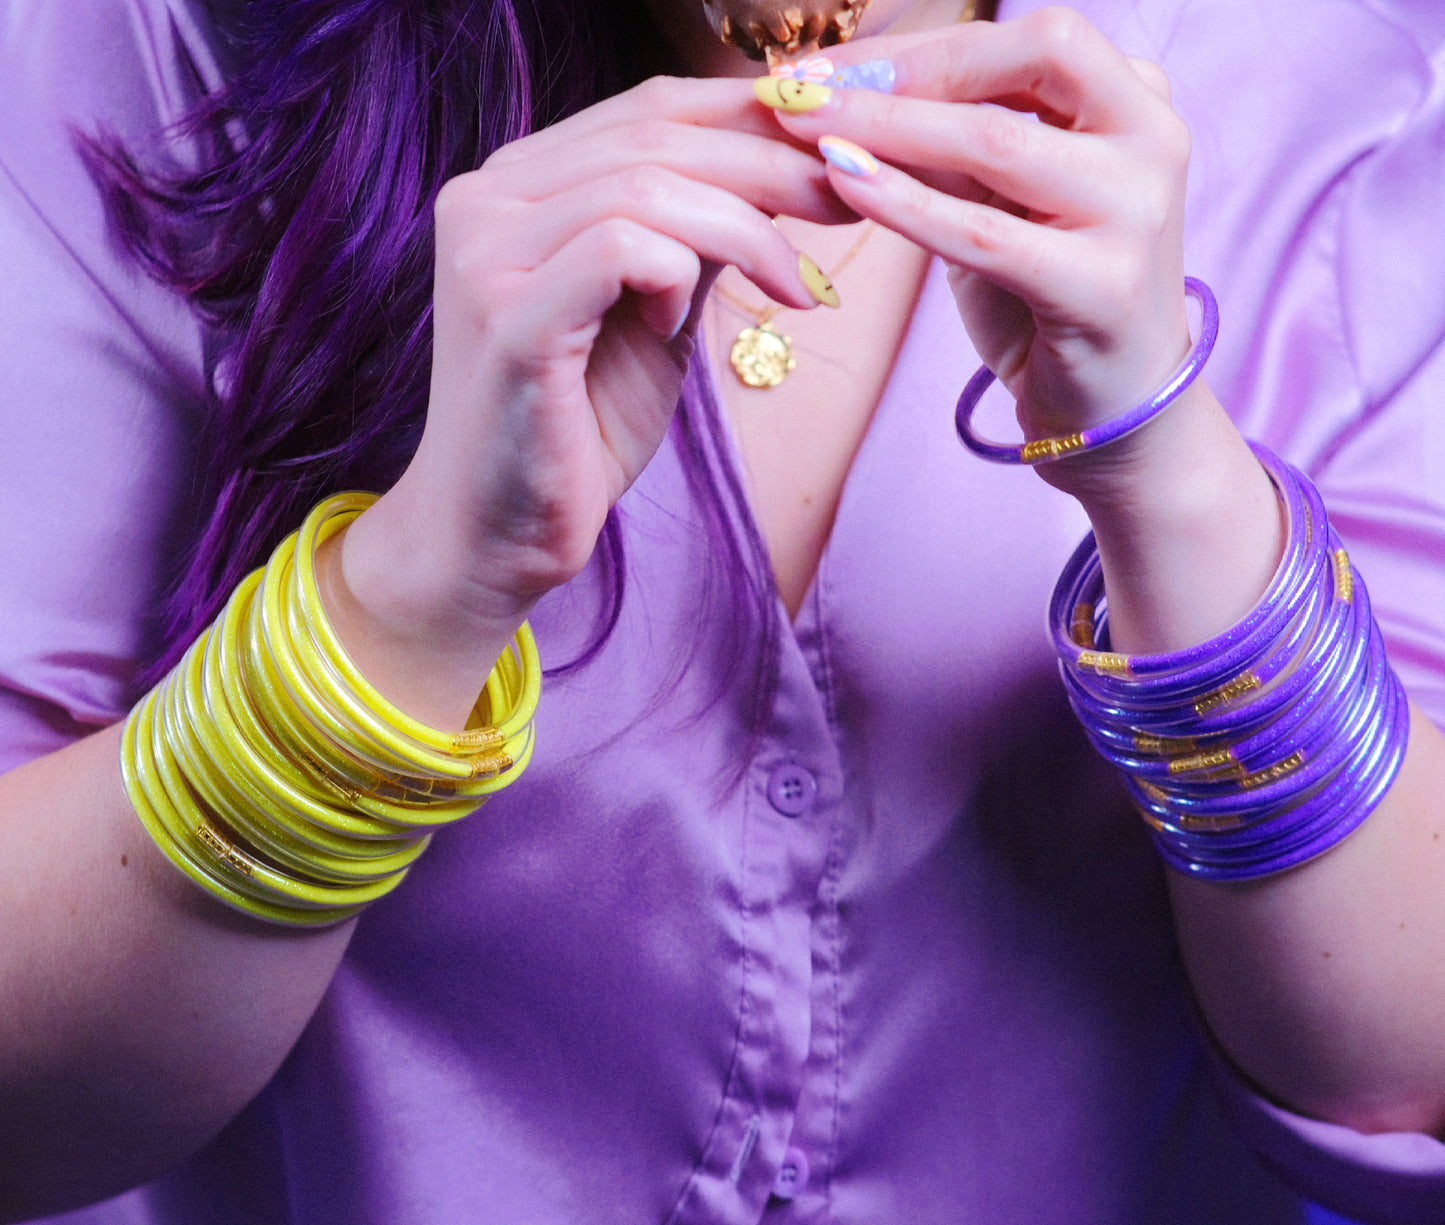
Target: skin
{"x": 563, "y": 325}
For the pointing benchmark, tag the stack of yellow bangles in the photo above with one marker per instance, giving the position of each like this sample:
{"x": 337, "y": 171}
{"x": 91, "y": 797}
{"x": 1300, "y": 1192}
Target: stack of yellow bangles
{"x": 274, "y": 776}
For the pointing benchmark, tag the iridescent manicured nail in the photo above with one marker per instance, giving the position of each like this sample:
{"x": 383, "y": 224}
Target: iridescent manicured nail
{"x": 791, "y": 96}
{"x": 848, "y": 157}
{"x": 877, "y": 75}
{"x": 817, "y": 281}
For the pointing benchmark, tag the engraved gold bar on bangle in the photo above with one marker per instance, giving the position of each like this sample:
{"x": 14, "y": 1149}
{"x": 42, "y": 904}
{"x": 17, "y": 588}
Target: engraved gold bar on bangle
{"x": 1227, "y": 692}
{"x": 223, "y": 850}
{"x": 1081, "y": 629}
{"x": 1191, "y": 821}
{"x": 1164, "y": 746}
{"x": 1270, "y": 774}
{"x": 1211, "y": 760}
{"x": 490, "y": 767}
{"x": 478, "y": 740}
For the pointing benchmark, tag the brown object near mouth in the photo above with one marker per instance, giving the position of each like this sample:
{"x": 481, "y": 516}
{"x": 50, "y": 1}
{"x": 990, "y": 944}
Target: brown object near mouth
{"x": 783, "y": 29}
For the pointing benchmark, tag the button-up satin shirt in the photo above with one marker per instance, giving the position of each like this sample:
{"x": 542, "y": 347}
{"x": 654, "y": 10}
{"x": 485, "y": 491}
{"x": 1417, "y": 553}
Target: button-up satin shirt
{"x": 890, "y": 948}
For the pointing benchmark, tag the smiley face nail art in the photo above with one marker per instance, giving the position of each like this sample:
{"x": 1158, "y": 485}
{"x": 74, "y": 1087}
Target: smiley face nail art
{"x": 817, "y": 281}
{"x": 791, "y": 96}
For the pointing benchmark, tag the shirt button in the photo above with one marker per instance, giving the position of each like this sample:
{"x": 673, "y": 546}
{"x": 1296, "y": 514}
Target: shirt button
{"x": 792, "y": 789}
{"x": 792, "y": 1175}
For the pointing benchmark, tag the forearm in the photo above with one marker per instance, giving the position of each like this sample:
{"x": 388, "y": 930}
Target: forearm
{"x": 1325, "y": 984}
{"x": 1322, "y": 983}
{"x": 137, "y": 1015}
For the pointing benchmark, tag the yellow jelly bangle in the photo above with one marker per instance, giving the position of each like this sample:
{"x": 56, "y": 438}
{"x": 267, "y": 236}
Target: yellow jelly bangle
{"x": 271, "y": 773}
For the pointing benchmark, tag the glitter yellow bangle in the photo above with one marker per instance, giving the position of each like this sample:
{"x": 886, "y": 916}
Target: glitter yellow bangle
{"x": 276, "y": 778}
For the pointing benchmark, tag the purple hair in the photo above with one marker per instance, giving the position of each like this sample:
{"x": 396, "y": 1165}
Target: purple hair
{"x": 305, "y": 242}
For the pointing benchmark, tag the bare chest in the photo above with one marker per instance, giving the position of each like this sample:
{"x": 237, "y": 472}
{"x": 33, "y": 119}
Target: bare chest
{"x": 799, "y": 438}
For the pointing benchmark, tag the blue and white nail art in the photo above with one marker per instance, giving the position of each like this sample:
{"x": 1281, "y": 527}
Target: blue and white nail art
{"x": 877, "y": 75}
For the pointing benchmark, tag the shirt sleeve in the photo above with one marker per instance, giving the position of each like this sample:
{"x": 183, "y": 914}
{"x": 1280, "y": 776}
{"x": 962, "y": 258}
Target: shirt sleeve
{"x": 1395, "y": 1178}
{"x": 101, "y": 391}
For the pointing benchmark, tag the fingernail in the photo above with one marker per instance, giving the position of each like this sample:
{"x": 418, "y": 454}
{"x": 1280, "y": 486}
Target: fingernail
{"x": 791, "y": 96}
{"x": 817, "y": 68}
{"x": 817, "y": 281}
{"x": 848, "y": 157}
{"x": 877, "y": 75}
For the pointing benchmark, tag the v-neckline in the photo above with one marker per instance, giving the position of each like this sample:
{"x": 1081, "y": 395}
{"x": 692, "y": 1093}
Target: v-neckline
{"x": 806, "y": 613}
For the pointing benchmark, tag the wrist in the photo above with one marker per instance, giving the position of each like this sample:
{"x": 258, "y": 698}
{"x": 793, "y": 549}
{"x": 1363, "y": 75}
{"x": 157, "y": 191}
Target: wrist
{"x": 401, "y": 603}
{"x": 1187, "y": 523}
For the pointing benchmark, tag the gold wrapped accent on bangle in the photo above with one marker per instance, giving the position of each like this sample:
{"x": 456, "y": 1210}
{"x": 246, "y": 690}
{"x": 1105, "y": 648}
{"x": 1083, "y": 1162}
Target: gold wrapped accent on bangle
{"x": 1051, "y": 448}
{"x": 1344, "y": 576}
{"x": 1105, "y": 661}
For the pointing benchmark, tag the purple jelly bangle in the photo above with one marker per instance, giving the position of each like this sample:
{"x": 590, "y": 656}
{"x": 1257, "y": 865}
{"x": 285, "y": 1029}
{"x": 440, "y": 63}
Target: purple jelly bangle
{"x": 1358, "y": 794}
{"x": 1276, "y": 739}
{"x": 1274, "y": 707}
{"x": 1309, "y": 804}
{"x": 1187, "y": 807}
{"x": 1341, "y": 736}
{"x": 1195, "y": 672}
{"x": 1210, "y": 663}
{"x": 1248, "y": 700}
{"x": 1043, "y": 450}
{"x": 1312, "y": 690}
{"x": 1082, "y": 583}
{"x": 1288, "y": 838}
{"x": 1316, "y": 712}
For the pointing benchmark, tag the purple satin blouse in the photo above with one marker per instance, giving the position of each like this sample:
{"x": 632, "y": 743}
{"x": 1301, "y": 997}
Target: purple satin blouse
{"x": 905, "y": 955}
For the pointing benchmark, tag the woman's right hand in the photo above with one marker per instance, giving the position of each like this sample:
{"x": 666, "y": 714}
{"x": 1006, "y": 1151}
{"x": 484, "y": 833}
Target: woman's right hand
{"x": 570, "y": 270}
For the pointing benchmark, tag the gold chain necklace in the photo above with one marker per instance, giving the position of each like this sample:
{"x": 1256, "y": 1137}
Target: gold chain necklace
{"x": 761, "y": 356}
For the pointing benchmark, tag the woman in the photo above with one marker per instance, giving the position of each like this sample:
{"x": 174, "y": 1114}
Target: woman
{"x": 813, "y": 902}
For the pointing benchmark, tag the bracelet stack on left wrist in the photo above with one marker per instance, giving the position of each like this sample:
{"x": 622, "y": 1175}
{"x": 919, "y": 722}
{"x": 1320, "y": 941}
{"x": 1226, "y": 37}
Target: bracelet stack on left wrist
{"x": 1265, "y": 746}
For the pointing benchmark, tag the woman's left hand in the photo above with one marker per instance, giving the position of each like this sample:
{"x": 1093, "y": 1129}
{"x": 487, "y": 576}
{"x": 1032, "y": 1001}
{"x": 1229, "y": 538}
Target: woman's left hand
{"x": 1048, "y": 170}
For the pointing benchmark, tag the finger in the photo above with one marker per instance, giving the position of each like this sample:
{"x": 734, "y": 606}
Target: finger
{"x": 774, "y": 173}
{"x": 710, "y": 221}
{"x": 1063, "y": 174}
{"x": 1040, "y": 264}
{"x": 1051, "y": 62}
{"x": 580, "y": 284}
{"x": 714, "y": 103}
{"x": 1153, "y": 76}
{"x": 563, "y": 301}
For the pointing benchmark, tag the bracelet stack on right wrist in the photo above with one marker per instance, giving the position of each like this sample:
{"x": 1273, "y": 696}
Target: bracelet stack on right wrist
{"x": 274, "y": 776}
{"x": 1261, "y": 748}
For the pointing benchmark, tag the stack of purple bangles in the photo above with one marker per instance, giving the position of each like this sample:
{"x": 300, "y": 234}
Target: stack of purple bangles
{"x": 1265, "y": 746}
